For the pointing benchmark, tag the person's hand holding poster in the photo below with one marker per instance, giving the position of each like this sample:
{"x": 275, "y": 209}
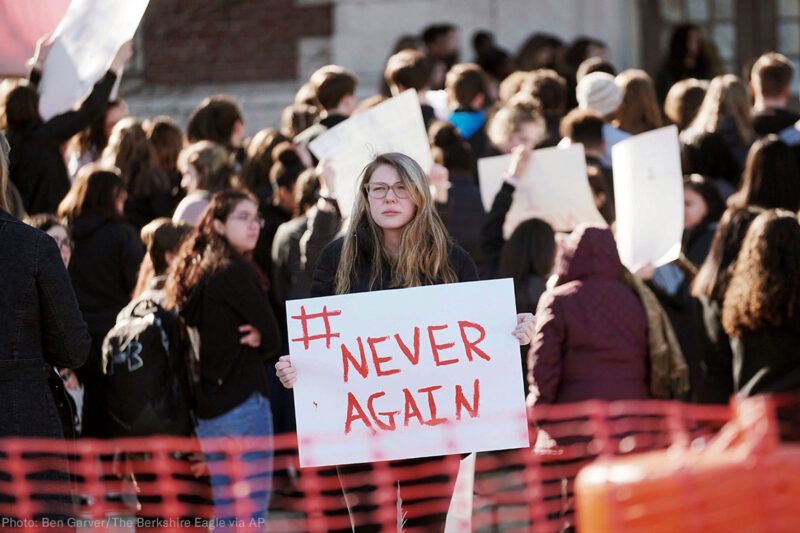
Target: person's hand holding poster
{"x": 407, "y": 373}
{"x": 554, "y": 188}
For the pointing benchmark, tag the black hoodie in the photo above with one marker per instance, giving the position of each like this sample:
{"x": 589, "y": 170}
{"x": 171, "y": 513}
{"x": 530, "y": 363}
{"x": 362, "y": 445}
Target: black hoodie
{"x": 103, "y": 268}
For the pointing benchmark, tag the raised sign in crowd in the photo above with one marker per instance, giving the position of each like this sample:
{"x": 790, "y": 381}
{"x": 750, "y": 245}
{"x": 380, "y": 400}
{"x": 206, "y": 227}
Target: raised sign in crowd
{"x": 398, "y": 278}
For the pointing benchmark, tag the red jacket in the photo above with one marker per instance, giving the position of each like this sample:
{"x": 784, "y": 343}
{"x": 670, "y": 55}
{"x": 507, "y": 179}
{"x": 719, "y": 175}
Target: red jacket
{"x": 591, "y": 329}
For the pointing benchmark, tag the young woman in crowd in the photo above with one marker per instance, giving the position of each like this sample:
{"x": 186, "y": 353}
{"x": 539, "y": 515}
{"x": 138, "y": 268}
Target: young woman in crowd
{"x": 167, "y": 140}
{"x": 218, "y": 290}
{"x": 394, "y": 239}
{"x": 771, "y": 178}
{"x": 760, "y": 311}
{"x": 683, "y": 101}
{"x": 715, "y": 383}
{"x": 463, "y": 214}
{"x": 105, "y": 260}
{"x": 287, "y": 166}
{"x": 207, "y": 168}
{"x": 148, "y": 186}
{"x": 689, "y": 56}
{"x": 88, "y": 145}
{"x": 255, "y": 172}
{"x": 218, "y": 119}
{"x": 717, "y": 140}
{"x": 517, "y": 123}
{"x": 639, "y": 110}
{"x": 37, "y": 166}
{"x": 702, "y": 207}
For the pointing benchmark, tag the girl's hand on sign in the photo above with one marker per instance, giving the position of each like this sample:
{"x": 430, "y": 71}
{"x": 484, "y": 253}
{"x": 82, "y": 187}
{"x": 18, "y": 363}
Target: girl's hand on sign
{"x": 285, "y": 371}
{"x": 526, "y": 326}
{"x": 124, "y": 53}
{"x": 520, "y": 156}
{"x": 251, "y": 337}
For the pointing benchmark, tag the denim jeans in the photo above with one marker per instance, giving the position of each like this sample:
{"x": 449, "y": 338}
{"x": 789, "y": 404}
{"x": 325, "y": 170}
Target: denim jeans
{"x": 253, "y": 418}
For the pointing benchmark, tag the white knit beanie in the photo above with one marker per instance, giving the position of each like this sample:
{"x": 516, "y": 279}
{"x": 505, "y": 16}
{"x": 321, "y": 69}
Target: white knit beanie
{"x": 598, "y": 92}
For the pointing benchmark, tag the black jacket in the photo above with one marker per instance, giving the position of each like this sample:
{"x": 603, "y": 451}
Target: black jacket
{"x": 773, "y": 120}
{"x": 104, "y": 266}
{"x": 716, "y": 366}
{"x": 40, "y": 325}
{"x": 492, "y": 233}
{"x": 465, "y": 216}
{"x": 325, "y": 274}
{"x": 220, "y": 303}
{"x": 766, "y": 361}
{"x": 36, "y": 165}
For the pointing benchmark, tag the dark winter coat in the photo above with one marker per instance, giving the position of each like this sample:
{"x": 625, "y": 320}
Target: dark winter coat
{"x": 716, "y": 358}
{"x": 36, "y": 165}
{"x": 773, "y": 120}
{"x": 766, "y": 361}
{"x": 40, "y": 326}
{"x": 465, "y": 216}
{"x": 591, "y": 329}
{"x": 221, "y": 302}
{"x": 103, "y": 268}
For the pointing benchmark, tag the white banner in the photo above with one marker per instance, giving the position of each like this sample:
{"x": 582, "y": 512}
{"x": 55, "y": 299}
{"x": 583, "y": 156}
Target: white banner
{"x": 86, "y": 41}
{"x": 648, "y": 193}
{"x": 554, "y": 188}
{"x": 395, "y": 125}
{"x": 407, "y": 373}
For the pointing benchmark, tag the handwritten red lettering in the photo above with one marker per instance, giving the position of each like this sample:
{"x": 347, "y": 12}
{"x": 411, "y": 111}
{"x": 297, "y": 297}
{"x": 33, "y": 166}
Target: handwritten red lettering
{"x": 434, "y": 421}
{"x": 355, "y": 412}
{"x": 469, "y": 346}
{"x": 414, "y": 358}
{"x": 306, "y": 318}
{"x": 372, "y": 341}
{"x": 362, "y": 368}
{"x": 461, "y": 401}
{"x": 384, "y": 426}
{"x": 436, "y": 347}
{"x": 411, "y": 409}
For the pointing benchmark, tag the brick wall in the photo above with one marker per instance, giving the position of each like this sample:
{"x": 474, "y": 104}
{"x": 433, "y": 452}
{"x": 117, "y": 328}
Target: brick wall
{"x": 191, "y": 41}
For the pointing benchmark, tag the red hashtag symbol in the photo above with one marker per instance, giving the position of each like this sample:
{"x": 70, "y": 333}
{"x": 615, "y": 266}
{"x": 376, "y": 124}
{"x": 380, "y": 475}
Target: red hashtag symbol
{"x": 304, "y": 319}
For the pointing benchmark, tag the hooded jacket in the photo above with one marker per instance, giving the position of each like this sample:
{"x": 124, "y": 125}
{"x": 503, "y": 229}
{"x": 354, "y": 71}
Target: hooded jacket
{"x": 591, "y": 329}
{"x": 103, "y": 268}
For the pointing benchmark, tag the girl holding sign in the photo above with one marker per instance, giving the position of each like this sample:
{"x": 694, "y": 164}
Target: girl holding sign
{"x": 395, "y": 239}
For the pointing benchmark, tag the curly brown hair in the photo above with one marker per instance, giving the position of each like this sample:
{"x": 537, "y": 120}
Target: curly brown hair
{"x": 765, "y": 285}
{"x": 204, "y": 251}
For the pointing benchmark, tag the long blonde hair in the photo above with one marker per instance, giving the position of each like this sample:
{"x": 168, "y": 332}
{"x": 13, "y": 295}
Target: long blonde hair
{"x": 726, "y": 96}
{"x": 423, "y": 256}
{"x": 639, "y": 111}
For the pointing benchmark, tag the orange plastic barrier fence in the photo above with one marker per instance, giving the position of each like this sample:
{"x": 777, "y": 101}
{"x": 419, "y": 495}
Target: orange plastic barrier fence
{"x": 742, "y": 480}
{"x": 162, "y": 483}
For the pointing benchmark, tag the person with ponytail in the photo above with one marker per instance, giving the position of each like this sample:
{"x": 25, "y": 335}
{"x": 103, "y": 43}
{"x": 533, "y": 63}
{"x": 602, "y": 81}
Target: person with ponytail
{"x": 207, "y": 168}
{"x": 286, "y": 167}
{"x": 220, "y": 292}
{"x": 395, "y": 239}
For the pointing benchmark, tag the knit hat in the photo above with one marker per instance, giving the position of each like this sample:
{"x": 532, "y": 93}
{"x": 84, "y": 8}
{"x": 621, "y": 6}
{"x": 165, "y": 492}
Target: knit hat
{"x": 598, "y": 92}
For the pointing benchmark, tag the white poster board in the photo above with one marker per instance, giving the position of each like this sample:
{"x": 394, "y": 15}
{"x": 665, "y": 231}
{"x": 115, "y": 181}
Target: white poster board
{"x": 648, "y": 193}
{"x": 407, "y": 373}
{"x": 86, "y": 40}
{"x": 554, "y": 188}
{"x": 395, "y": 125}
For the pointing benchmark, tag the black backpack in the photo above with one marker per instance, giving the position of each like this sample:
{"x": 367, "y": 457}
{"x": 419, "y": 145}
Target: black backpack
{"x": 146, "y": 373}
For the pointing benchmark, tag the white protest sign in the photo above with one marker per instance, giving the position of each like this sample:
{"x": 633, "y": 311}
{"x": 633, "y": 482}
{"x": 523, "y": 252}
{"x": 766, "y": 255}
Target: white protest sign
{"x": 554, "y": 188}
{"x": 407, "y": 373}
{"x": 395, "y": 125}
{"x": 86, "y": 40}
{"x": 648, "y": 193}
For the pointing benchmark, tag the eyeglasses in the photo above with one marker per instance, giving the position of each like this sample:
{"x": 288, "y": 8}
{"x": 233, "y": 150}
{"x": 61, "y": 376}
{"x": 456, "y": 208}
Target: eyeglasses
{"x": 380, "y": 190}
{"x": 248, "y": 219}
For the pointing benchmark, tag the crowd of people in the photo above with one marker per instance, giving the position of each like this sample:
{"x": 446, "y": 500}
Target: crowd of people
{"x": 105, "y": 218}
